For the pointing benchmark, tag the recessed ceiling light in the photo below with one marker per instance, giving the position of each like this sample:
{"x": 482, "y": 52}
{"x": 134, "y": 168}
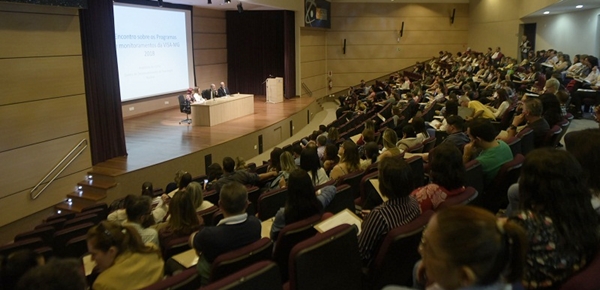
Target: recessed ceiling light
{"x": 579, "y": 6}
{"x": 546, "y": 12}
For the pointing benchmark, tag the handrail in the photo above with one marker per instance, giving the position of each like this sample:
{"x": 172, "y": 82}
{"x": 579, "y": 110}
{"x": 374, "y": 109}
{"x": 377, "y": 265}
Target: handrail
{"x": 69, "y": 155}
{"x": 307, "y": 89}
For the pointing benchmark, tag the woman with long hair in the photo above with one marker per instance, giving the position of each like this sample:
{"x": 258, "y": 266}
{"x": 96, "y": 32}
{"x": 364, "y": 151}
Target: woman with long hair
{"x": 124, "y": 262}
{"x": 195, "y": 191}
{"x": 349, "y": 162}
{"x": 447, "y": 174}
{"x": 302, "y": 201}
{"x": 182, "y": 219}
{"x": 556, "y": 212}
{"x": 501, "y": 103}
{"x": 287, "y": 165}
{"x": 309, "y": 161}
{"x": 389, "y": 144}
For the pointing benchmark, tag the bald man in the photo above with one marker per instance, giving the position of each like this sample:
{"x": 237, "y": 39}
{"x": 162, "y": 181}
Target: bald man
{"x": 223, "y": 90}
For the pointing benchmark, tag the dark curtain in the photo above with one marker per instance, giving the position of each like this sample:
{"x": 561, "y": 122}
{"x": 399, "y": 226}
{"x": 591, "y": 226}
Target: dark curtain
{"x": 257, "y": 46}
{"x": 290, "y": 54}
{"x": 105, "y": 119}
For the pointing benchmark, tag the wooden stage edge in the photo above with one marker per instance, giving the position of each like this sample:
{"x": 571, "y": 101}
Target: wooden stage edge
{"x": 158, "y": 143}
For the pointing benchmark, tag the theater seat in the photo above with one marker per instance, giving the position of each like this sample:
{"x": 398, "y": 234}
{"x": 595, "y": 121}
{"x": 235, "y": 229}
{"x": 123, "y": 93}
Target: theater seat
{"x": 262, "y": 275}
{"x": 231, "y": 262}
{"x": 586, "y": 279}
{"x": 289, "y": 237}
{"x": 462, "y": 198}
{"x": 186, "y": 280}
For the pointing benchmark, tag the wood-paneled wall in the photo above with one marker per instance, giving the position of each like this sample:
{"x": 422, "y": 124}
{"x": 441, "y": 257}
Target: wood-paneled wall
{"x": 42, "y": 106}
{"x": 373, "y": 45}
{"x": 209, "y": 39}
{"x": 313, "y": 61}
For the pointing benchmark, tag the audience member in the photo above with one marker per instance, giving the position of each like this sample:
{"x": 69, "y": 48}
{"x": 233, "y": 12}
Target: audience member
{"x": 213, "y": 174}
{"x": 389, "y": 145}
{"x": 494, "y": 153}
{"x": 242, "y": 176}
{"x": 532, "y": 113}
{"x": 501, "y": 103}
{"x": 556, "y": 212}
{"x": 302, "y": 201}
{"x": 287, "y": 165}
{"x": 120, "y": 215}
{"x": 479, "y": 110}
{"x": 159, "y": 203}
{"x": 15, "y": 265}
{"x": 138, "y": 211}
{"x": 310, "y": 162}
{"x": 122, "y": 259}
{"x": 409, "y": 138}
{"x": 396, "y": 184}
{"x": 584, "y": 146}
{"x": 182, "y": 218}
{"x": 197, "y": 197}
{"x": 58, "y": 274}
{"x": 349, "y": 162}
{"x": 235, "y": 230}
{"x": 456, "y": 134}
{"x": 274, "y": 164}
{"x": 447, "y": 175}
{"x": 331, "y": 158}
{"x": 371, "y": 154}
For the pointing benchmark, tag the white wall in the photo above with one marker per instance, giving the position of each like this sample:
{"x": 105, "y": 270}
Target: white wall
{"x": 571, "y": 33}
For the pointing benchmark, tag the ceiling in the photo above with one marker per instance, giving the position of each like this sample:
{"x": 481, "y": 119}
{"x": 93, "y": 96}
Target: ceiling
{"x": 561, "y": 6}
{"x": 566, "y": 6}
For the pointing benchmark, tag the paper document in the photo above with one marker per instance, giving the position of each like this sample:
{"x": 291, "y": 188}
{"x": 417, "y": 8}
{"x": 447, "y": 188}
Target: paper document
{"x": 355, "y": 138}
{"x": 187, "y": 259}
{"x": 375, "y": 183}
{"x": 265, "y": 230}
{"x": 342, "y": 217}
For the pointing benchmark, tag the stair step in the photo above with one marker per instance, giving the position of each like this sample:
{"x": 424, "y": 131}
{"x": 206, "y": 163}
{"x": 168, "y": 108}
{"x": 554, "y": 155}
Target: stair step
{"x": 100, "y": 184}
{"x": 76, "y": 205}
{"x": 87, "y": 196}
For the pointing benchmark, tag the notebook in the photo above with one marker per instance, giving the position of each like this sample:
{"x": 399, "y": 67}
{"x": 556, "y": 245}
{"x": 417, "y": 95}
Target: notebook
{"x": 342, "y": 217}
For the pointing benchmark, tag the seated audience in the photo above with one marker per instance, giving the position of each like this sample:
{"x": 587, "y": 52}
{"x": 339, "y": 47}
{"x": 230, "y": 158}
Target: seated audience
{"x": 331, "y": 157}
{"x": 274, "y": 164}
{"x": 302, "y": 201}
{"x": 197, "y": 196}
{"x": 465, "y": 247}
{"x": 242, "y": 176}
{"x": 456, "y": 134}
{"x": 122, "y": 259}
{"x": 501, "y": 103}
{"x": 371, "y": 154}
{"x": 532, "y": 113}
{"x": 213, "y": 173}
{"x": 15, "y": 265}
{"x": 389, "y": 145}
{"x": 409, "y": 138}
{"x": 447, "y": 175}
{"x": 182, "y": 218}
{"x": 493, "y": 153}
{"x": 395, "y": 183}
{"x": 584, "y": 146}
{"x": 120, "y": 215}
{"x": 287, "y": 165}
{"x": 159, "y": 203}
{"x": 138, "y": 212}
{"x": 479, "y": 110}
{"x": 58, "y": 274}
{"x": 349, "y": 162}
{"x": 556, "y": 212}
{"x": 235, "y": 230}
{"x": 310, "y": 162}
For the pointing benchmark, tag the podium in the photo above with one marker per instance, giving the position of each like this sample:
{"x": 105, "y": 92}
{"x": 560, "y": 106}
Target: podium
{"x": 274, "y": 90}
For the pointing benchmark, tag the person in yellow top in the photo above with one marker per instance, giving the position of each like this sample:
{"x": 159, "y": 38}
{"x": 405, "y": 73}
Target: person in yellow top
{"x": 479, "y": 110}
{"x": 124, "y": 262}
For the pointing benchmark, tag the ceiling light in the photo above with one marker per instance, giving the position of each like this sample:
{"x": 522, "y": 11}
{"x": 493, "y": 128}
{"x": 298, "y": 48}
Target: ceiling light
{"x": 546, "y": 12}
{"x": 579, "y": 6}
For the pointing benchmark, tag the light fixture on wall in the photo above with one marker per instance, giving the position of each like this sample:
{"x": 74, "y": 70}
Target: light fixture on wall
{"x": 579, "y": 6}
{"x": 546, "y": 12}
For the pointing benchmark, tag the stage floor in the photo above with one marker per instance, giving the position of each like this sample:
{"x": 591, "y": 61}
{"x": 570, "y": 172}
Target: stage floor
{"x": 158, "y": 137}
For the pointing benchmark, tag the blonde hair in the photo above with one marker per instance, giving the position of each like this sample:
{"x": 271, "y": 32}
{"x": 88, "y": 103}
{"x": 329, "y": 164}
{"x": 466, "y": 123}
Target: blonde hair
{"x": 389, "y": 138}
{"x": 287, "y": 162}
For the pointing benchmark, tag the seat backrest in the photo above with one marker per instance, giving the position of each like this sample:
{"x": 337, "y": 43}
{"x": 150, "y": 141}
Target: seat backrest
{"x": 353, "y": 180}
{"x": 515, "y": 145}
{"x": 233, "y": 261}
{"x": 211, "y": 196}
{"x": 88, "y": 218}
{"x": 262, "y": 168}
{"x": 398, "y": 254}
{"x": 253, "y": 195}
{"x": 527, "y": 144}
{"x": 551, "y": 139}
{"x": 76, "y": 247}
{"x": 474, "y": 175}
{"x": 57, "y": 224}
{"x": 263, "y": 275}
{"x": 364, "y": 184}
{"x": 45, "y": 233}
{"x": 465, "y": 197}
{"x": 175, "y": 246}
{"x": 101, "y": 209}
{"x": 428, "y": 144}
{"x": 343, "y": 199}
{"x": 61, "y": 237}
{"x": 207, "y": 214}
{"x": 416, "y": 148}
{"x": 494, "y": 197}
{"x": 328, "y": 260}
{"x": 270, "y": 202}
{"x": 188, "y": 279}
{"x": 31, "y": 244}
{"x": 416, "y": 164}
{"x": 290, "y": 236}
{"x": 66, "y": 216}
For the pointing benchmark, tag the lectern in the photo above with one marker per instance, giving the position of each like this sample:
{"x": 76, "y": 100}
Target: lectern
{"x": 274, "y": 90}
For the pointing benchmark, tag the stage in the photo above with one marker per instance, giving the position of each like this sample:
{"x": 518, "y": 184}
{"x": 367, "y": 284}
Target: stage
{"x": 158, "y": 146}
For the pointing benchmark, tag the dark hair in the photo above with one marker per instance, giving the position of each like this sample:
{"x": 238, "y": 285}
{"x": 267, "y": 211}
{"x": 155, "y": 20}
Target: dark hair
{"x": 451, "y": 108}
{"x": 301, "y": 200}
{"x": 551, "y": 108}
{"x": 138, "y": 208}
{"x": 228, "y": 164}
{"x": 321, "y": 140}
{"x": 473, "y": 237}
{"x": 333, "y": 134}
{"x": 15, "y": 265}
{"x": 309, "y": 161}
{"x": 350, "y": 156}
{"x": 368, "y": 135}
{"x": 395, "y": 178}
{"x": 447, "y": 168}
{"x": 185, "y": 180}
{"x": 274, "y": 162}
{"x": 372, "y": 151}
{"x": 147, "y": 189}
{"x": 214, "y": 171}
{"x": 584, "y": 146}
{"x": 409, "y": 131}
{"x": 456, "y": 121}
{"x": 322, "y": 128}
{"x": 58, "y": 274}
{"x": 297, "y": 148}
{"x": 419, "y": 124}
{"x": 482, "y": 128}
{"x": 233, "y": 198}
{"x": 502, "y": 96}
{"x": 331, "y": 152}
{"x": 552, "y": 183}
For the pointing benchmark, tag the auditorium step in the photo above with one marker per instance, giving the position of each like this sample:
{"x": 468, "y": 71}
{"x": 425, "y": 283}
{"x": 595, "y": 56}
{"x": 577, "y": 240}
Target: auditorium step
{"x": 73, "y": 205}
{"x": 89, "y": 192}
